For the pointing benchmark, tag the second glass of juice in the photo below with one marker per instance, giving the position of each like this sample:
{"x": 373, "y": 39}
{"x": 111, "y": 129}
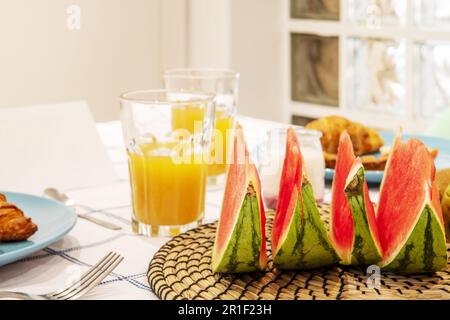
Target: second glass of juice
{"x": 166, "y": 162}
{"x": 224, "y": 84}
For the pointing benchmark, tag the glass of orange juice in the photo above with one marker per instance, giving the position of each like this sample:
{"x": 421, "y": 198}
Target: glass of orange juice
{"x": 167, "y": 163}
{"x": 224, "y": 84}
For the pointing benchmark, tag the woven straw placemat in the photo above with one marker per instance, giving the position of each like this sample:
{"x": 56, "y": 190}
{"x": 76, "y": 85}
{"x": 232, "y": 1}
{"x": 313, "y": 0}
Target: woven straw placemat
{"x": 181, "y": 270}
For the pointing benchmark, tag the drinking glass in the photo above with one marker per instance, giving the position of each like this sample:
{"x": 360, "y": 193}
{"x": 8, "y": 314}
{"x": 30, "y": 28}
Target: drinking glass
{"x": 271, "y": 155}
{"x": 167, "y": 164}
{"x": 224, "y": 84}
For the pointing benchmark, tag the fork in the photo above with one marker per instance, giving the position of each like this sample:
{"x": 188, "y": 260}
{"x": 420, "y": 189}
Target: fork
{"x": 87, "y": 282}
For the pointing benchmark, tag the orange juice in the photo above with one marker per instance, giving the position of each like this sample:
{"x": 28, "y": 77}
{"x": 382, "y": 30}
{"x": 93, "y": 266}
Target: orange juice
{"x": 224, "y": 124}
{"x": 166, "y": 193}
{"x": 184, "y": 118}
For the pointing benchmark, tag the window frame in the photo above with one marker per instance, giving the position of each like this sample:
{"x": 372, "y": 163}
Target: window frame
{"x": 409, "y": 32}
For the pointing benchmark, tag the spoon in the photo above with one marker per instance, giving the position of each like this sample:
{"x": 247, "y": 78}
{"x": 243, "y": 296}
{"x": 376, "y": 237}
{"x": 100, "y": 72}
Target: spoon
{"x": 54, "y": 194}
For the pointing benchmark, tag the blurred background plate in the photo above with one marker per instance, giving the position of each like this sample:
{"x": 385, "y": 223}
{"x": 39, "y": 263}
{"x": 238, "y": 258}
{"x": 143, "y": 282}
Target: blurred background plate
{"x": 53, "y": 219}
{"x": 442, "y": 160}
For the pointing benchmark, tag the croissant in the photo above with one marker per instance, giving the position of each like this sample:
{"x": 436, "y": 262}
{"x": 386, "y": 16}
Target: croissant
{"x": 365, "y": 140}
{"x": 14, "y": 225}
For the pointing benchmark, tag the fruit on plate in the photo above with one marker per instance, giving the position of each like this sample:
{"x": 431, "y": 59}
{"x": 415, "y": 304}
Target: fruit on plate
{"x": 240, "y": 244}
{"x": 299, "y": 236}
{"x": 410, "y": 221}
{"x": 353, "y": 223}
{"x": 446, "y": 210}
{"x": 374, "y": 162}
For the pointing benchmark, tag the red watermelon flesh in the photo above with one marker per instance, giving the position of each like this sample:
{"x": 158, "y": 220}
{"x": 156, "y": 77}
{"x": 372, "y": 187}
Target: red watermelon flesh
{"x": 410, "y": 220}
{"x": 299, "y": 236}
{"x": 354, "y": 228}
{"x": 240, "y": 244}
{"x": 371, "y": 215}
{"x": 341, "y": 215}
{"x": 289, "y": 183}
{"x": 372, "y": 219}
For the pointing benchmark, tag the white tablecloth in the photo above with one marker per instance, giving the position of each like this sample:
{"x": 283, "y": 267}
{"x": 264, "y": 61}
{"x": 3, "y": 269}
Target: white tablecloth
{"x": 62, "y": 262}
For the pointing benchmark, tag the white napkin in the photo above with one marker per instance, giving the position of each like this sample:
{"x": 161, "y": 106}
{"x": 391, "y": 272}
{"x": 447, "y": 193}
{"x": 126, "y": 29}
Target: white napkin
{"x": 51, "y": 146}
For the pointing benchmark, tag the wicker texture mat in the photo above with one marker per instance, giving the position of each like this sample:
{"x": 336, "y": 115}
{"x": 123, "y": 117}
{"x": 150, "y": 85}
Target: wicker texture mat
{"x": 181, "y": 270}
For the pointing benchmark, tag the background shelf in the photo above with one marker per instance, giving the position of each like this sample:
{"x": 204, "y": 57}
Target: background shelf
{"x": 387, "y": 61}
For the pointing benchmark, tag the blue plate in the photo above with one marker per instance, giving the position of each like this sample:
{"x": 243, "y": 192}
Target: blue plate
{"x": 442, "y": 161}
{"x": 53, "y": 219}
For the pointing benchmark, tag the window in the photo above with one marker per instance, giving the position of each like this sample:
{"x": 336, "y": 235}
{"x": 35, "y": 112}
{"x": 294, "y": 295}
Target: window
{"x": 383, "y": 62}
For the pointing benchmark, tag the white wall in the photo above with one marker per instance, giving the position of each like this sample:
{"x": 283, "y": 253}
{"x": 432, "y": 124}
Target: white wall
{"x": 209, "y": 33}
{"x": 256, "y": 51}
{"x": 245, "y": 35}
{"x": 174, "y": 25}
{"x": 125, "y": 45}
{"x": 41, "y": 60}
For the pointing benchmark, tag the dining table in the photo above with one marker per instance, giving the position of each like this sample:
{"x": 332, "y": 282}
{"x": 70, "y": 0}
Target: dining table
{"x": 65, "y": 260}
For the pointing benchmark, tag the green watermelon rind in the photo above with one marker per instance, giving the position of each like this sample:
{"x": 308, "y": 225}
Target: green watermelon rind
{"x": 306, "y": 245}
{"x": 365, "y": 250}
{"x": 242, "y": 253}
{"x": 425, "y": 250}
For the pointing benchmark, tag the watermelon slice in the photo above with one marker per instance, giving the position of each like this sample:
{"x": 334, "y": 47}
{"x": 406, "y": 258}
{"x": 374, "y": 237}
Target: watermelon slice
{"x": 240, "y": 244}
{"x": 353, "y": 224}
{"x": 299, "y": 236}
{"x": 409, "y": 214}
